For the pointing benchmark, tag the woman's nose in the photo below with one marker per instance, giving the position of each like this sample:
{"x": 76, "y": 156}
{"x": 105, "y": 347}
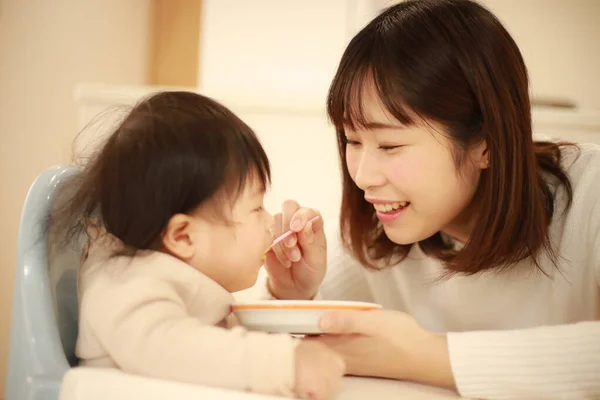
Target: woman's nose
{"x": 368, "y": 171}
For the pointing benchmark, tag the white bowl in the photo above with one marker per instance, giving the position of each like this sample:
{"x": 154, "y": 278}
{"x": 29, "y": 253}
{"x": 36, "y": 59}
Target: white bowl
{"x": 299, "y": 317}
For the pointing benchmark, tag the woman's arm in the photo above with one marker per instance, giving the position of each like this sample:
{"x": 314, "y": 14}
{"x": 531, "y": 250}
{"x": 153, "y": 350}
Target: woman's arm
{"x": 553, "y": 362}
{"x": 561, "y": 361}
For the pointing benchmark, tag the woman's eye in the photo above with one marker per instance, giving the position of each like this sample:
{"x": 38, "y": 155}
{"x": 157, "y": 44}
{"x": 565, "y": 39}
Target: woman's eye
{"x": 390, "y": 147}
{"x": 352, "y": 142}
{"x": 259, "y": 209}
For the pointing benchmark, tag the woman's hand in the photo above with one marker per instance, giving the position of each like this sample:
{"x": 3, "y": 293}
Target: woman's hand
{"x": 296, "y": 266}
{"x": 387, "y": 344}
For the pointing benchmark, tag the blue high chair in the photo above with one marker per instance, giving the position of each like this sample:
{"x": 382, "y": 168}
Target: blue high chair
{"x": 43, "y": 328}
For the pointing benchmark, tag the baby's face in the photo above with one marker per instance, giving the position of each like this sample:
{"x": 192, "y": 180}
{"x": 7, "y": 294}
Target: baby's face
{"x": 232, "y": 254}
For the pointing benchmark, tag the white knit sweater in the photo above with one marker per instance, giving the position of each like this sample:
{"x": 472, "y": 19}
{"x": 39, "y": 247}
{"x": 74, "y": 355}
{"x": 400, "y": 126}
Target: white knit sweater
{"x": 518, "y": 334}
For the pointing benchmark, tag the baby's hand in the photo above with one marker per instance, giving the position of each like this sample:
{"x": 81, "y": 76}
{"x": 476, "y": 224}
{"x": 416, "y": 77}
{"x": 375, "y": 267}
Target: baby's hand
{"x": 318, "y": 371}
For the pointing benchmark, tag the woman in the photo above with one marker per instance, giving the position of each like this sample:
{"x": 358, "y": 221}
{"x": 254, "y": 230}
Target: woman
{"x": 482, "y": 245}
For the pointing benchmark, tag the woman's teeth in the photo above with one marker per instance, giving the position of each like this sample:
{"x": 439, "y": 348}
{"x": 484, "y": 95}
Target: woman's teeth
{"x": 390, "y": 206}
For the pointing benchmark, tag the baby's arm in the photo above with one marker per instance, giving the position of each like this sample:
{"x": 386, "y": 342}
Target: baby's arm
{"x": 232, "y": 321}
{"x": 151, "y": 334}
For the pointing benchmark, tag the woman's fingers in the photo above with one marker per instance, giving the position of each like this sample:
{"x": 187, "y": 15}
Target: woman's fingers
{"x": 351, "y": 322}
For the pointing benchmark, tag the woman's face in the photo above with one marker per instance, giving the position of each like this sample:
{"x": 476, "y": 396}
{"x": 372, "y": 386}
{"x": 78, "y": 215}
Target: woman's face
{"x": 409, "y": 175}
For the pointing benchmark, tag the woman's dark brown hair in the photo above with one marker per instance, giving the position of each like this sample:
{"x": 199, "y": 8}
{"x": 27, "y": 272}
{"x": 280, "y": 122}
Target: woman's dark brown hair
{"x": 452, "y": 62}
{"x": 173, "y": 151}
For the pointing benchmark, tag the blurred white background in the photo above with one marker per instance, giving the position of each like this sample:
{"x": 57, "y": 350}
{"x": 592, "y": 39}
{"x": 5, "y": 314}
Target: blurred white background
{"x": 271, "y": 61}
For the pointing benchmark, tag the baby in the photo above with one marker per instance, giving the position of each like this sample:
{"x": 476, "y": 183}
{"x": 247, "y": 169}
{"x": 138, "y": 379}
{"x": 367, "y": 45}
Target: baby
{"x": 173, "y": 209}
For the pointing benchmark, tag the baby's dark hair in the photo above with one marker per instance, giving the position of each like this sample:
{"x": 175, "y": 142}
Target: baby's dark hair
{"x": 172, "y": 152}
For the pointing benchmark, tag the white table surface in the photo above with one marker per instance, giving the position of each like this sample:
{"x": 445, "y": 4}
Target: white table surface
{"x": 111, "y": 384}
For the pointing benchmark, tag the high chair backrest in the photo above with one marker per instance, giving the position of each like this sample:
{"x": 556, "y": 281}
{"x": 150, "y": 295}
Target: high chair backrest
{"x": 44, "y": 312}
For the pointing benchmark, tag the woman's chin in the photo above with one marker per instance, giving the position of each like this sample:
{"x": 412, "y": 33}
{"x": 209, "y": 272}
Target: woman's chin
{"x": 404, "y": 236}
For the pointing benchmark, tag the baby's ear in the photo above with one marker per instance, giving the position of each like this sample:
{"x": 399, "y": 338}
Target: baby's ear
{"x": 178, "y": 237}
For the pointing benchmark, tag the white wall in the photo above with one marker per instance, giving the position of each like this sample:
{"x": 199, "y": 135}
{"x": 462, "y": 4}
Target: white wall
{"x": 270, "y": 52}
{"x": 560, "y": 41}
{"x": 47, "y": 47}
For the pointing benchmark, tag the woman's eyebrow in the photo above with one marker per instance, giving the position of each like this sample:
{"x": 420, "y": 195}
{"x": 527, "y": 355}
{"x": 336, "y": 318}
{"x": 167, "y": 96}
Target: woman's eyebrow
{"x": 382, "y": 125}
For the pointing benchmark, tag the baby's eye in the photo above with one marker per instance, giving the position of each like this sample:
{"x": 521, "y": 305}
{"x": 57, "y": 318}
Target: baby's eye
{"x": 259, "y": 209}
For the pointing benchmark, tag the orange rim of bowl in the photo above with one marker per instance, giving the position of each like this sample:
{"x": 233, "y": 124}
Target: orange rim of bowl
{"x": 349, "y": 307}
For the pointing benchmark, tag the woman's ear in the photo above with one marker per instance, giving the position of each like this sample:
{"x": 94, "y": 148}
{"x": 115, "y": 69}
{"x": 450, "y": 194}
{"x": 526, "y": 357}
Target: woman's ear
{"x": 179, "y": 237}
{"x": 480, "y": 155}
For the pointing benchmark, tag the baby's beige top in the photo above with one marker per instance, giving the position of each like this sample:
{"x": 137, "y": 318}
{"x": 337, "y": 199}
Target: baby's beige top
{"x": 156, "y": 316}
